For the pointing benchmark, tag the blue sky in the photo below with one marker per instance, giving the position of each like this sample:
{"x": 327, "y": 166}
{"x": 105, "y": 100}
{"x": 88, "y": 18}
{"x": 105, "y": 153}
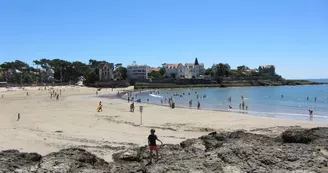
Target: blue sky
{"x": 291, "y": 34}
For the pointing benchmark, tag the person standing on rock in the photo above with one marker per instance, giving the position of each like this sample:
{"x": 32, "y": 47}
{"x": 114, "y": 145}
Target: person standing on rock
{"x": 152, "y": 138}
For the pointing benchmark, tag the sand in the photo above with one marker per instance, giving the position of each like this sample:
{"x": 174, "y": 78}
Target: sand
{"x": 47, "y": 125}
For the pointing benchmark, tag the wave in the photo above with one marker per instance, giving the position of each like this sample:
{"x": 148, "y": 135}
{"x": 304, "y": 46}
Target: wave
{"x": 154, "y": 95}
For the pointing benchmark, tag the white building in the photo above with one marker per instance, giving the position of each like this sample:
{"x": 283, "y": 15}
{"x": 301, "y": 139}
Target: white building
{"x": 136, "y": 72}
{"x": 194, "y": 70}
{"x": 105, "y": 71}
{"x": 188, "y": 71}
{"x": 174, "y": 70}
{"x": 47, "y": 75}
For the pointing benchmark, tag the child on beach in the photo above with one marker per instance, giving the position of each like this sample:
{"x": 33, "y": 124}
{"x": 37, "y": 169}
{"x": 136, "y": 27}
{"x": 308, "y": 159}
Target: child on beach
{"x": 152, "y": 144}
{"x": 100, "y": 107}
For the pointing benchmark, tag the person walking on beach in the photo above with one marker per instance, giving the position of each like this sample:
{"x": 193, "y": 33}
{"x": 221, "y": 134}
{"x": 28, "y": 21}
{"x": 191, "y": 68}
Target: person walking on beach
{"x": 152, "y": 138}
{"x": 190, "y": 103}
{"x": 18, "y": 116}
{"x": 311, "y": 113}
{"x": 132, "y": 107}
{"x": 198, "y": 105}
{"x": 57, "y": 98}
{"x": 27, "y": 93}
{"x": 243, "y": 105}
{"x": 161, "y": 102}
{"x": 2, "y": 96}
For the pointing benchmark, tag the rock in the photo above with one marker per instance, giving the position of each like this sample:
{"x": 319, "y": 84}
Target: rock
{"x": 12, "y": 160}
{"x": 130, "y": 155}
{"x": 299, "y": 136}
{"x": 296, "y": 150}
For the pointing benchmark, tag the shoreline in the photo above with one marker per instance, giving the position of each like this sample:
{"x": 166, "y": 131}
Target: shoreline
{"x": 228, "y": 84}
{"x": 276, "y": 115}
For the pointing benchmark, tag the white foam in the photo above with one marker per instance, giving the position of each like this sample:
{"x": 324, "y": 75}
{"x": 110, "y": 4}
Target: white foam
{"x": 158, "y": 96}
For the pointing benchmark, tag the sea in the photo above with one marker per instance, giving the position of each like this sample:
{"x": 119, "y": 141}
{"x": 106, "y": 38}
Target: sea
{"x": 288, "y": 102}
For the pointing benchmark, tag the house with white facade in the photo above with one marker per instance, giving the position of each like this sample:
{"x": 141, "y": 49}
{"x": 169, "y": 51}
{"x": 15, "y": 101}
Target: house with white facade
{"x": 136, "y": 72}
{"x": 194, "y": 70}
{"x": 188, "y": 71}
{"x": 105, "y": 72}
{"x": 174, "y": 70}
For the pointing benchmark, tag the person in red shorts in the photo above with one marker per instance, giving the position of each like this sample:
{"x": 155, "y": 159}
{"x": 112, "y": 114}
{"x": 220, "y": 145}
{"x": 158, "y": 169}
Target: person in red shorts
{"x": 152, "y": 144}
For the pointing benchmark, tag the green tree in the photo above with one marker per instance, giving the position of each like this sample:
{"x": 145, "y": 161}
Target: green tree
{"x": 162, "y": 71}
{"x": 209, "y": 71}
{"x": 222, "y": 70}
{"x": 242, "y": 68}
{"x": 155, "y": 75}
{"x": 123, "y": 71}
{"x": 118, "y": 65}
{"x": 91, "y": 76}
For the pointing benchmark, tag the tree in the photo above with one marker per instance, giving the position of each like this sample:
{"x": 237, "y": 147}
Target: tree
{"x": 117, "y": 65}
{"x": 123, "y": 71}
{"x": 162, "y": 71}
{"x": 209, "y": 71}
{"x": 242, "y": 68}
{"x": 222, "y": 70}
{"x": 91, "y": 76}
{"x": 155, "y": 74}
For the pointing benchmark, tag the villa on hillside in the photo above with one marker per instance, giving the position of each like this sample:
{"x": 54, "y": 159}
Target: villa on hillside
{"x": 268, "y": 69}
{"x": 105, "y": 71}
{"x": 188, "y": 71}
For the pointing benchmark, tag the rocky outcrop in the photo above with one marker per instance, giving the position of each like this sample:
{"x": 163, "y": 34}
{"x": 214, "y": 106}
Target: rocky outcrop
{"x": 295, "y": 150}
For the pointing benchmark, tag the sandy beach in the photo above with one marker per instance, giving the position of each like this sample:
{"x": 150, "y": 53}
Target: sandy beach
{"x": 47, "y": 125}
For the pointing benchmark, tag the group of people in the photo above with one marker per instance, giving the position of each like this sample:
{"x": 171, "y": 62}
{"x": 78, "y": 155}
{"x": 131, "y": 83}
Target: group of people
{"x": 54, "y": 94}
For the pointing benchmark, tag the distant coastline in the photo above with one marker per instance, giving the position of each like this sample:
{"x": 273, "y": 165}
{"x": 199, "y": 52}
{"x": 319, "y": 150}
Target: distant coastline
{"x": 234, "y": 83}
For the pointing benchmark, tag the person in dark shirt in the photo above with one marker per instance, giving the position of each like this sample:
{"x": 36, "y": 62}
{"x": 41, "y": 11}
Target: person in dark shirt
{"x": 152, "y": 144}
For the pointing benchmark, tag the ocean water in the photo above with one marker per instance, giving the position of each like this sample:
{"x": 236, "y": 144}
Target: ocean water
{"x": 261, "y": 101}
